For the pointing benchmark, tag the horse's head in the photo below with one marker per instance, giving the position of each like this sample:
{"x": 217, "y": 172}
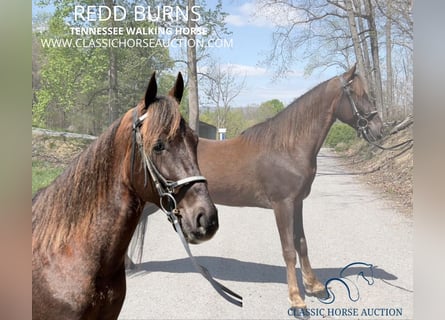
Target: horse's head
{"x": 172, "y": 178}
{"x": 356, "y": 109}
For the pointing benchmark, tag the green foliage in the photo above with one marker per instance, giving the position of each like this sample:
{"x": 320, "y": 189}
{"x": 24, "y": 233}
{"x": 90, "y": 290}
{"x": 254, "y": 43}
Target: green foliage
{"x": 235, "y": 123}
{"x": 340, "y": 135}
{"x": 74, "y": 86}
{"x": 269, "y": 108}
{"x": 43, "y": 174}
{"x": 239, "y": 119}
{"x": 207, "y": 116}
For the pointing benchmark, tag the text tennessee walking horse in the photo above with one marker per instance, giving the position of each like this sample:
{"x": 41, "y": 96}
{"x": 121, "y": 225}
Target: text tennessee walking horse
{"x": 83, "y": 222}
{"x": 273, "y": 164}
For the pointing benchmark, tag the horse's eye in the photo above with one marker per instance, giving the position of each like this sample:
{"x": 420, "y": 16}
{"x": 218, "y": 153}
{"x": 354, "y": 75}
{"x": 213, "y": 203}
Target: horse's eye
{"x": 159, "y": 146}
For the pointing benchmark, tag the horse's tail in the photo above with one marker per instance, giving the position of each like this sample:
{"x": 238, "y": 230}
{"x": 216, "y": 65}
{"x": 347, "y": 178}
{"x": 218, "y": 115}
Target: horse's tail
{"x": 136, "y": 248}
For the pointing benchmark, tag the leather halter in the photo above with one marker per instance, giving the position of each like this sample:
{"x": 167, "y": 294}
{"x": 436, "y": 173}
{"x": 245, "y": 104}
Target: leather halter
{"x": 164, "y": 186}
{"x": 362, "y": 119}
{"x": 165, "y": 189}
{"x": 362, "y": 125}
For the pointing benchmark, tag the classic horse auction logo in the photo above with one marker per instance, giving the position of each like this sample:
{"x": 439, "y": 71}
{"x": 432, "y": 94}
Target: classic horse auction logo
{"x": 365, "y": 271}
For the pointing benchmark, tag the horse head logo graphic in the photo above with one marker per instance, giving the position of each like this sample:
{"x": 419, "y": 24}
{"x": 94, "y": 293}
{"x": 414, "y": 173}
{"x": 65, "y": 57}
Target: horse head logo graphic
{"x": 365, "y": 271}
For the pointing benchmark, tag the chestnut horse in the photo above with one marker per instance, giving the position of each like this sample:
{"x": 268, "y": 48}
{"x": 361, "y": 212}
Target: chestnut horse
{"x": 83, "y": 222}
{"x": 273, "y": 164}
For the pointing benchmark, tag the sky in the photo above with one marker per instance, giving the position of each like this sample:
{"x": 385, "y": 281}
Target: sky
{"x": 251, "y": 37}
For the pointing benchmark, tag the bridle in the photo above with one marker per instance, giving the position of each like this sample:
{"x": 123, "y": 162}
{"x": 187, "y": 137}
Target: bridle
{"x": 362, "y": 124}
{"x": 166, "y": 190}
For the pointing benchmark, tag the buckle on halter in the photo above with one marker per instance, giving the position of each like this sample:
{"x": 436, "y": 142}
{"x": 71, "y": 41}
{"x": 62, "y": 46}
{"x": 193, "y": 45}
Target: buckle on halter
{"x": 171, "y": 205}
{"x": 362, "y": 123}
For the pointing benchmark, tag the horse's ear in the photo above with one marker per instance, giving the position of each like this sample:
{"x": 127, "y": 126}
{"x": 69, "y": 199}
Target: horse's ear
{"x": 178, "y": 88}
{"x": 152, "y": 89}
{"x": 350, "y": 74}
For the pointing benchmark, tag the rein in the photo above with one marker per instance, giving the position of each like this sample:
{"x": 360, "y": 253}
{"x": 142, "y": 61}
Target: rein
{"x": 363, "y": 123}
{"x": 165, "y": 189}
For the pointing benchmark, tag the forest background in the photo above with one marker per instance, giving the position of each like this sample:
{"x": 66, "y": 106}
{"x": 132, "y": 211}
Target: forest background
{"x": 83, "y": 89}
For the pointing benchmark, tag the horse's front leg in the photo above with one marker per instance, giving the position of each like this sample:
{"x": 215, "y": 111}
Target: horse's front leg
{"x": 312, "y": 285}
{"x": 284, "y": 215}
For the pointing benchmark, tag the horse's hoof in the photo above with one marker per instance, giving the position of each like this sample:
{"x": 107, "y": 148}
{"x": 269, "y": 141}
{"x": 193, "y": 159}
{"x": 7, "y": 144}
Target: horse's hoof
{"x": 322, "y": 294}
{"x": 318, "y": 291}
{"x": 299, "y": 313}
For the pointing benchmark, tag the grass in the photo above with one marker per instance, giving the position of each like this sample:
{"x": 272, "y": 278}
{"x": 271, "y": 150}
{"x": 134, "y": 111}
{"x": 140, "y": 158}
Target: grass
{"x": 43, "y": 174}
{"x": 341, "y": 136}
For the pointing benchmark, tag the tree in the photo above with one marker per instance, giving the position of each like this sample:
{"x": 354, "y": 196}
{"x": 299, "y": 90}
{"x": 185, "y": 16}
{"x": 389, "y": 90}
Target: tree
{"x": 210, "y": 20}
{"x": 268, "y": 109}
{"x": 337, "y": 33}
{"x": 220, "y": 89}
{"x": 112, "y": 74}
{"x": 373, "y": 38}
{"x": 192, "y": 66}
{"x": 241, "y": 118}
{"x": 349, "y": 6}
{"x": 73, "y": 79}
{"x": 388, "y": 38}
{"x": 397, "y": 15}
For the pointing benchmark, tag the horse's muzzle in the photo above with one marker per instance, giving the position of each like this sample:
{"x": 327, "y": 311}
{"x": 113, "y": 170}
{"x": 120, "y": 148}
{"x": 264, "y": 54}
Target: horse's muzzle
{"x": 204, "y": 226}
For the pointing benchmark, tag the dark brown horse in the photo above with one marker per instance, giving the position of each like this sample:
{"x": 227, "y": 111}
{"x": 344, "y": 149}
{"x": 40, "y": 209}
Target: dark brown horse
{"x": 83, "y": 222}
{"x": 273, "y": 164}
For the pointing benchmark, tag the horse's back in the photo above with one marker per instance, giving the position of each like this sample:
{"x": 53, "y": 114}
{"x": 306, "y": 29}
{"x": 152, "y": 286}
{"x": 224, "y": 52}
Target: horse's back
{"x": 241, "y": 174}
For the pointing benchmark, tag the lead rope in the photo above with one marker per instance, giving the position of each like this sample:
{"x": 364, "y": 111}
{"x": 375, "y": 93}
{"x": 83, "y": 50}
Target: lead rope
{"x": 223, "y": 291}
{"x": 408, "y": 143}
{"x": 172, "y": 213}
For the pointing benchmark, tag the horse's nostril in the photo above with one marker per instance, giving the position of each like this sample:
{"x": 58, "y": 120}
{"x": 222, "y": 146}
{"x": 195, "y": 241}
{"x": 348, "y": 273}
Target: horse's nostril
{"x": 201, "y": 220}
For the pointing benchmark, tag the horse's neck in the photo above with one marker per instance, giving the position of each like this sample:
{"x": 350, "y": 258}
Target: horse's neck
{"x": 120, "y": 236}
{"x": 118, "y": 207}
{"x": 321, "y": 136}
{"x": 125, "y": 207}
{"x": 313, "y": 139}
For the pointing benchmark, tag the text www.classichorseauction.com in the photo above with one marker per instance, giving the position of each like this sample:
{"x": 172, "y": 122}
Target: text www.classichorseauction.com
{"x": 131, "y": 37}
{"x": 133, "y": 43}
{"x": 136, "y": 37}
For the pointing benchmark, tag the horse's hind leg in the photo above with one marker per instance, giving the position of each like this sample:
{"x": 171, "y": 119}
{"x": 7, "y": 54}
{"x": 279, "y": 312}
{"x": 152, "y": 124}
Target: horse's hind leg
{"x": 284, "y": 218}
{"x": 312, "y": 285}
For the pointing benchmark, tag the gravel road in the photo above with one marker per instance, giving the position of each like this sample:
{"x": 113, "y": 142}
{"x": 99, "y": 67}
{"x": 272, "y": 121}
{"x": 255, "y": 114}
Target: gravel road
{"x": 345, "y": 222}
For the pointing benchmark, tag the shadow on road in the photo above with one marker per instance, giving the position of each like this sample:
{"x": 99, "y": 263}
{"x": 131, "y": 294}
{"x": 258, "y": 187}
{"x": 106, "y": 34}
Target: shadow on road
{"x": 243, "y": 271}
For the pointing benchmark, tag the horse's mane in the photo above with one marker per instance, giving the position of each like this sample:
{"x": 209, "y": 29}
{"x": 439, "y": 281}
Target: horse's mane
{"x": 286, "y": 127}
{"x": 86, "y": 185}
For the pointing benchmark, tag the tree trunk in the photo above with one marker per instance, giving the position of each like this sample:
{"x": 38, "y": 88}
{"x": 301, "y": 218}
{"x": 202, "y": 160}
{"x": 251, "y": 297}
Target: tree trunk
{"x": 112, "y": 77}
{"x": 365, "y": 49}
{"x": 112, "y": 89}
{"x": 375, "y": 58}
{"x": 192, "y": 72}
{"x": 389, "y": 76}
{"x": 355, "y": 38}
